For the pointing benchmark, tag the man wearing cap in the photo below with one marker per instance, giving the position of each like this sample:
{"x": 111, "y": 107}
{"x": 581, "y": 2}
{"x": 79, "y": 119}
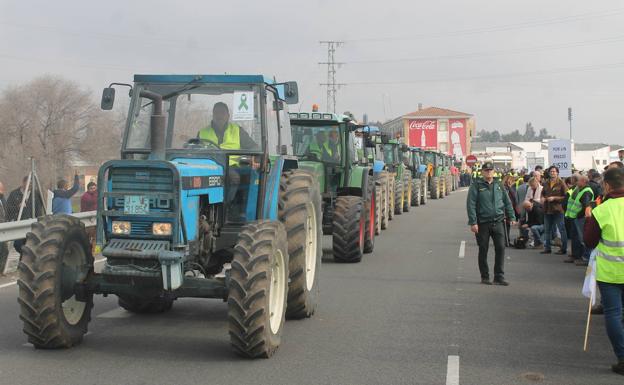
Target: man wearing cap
{"x": 487, "y": 205}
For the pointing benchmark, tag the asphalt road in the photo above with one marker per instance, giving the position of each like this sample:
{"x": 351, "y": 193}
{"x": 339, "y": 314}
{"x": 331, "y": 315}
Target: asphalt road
{"x": 413, "y": 312}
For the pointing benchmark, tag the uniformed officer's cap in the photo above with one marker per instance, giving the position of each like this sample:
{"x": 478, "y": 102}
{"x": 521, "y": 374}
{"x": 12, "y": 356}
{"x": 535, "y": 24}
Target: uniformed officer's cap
{"x": 487, "y": 166}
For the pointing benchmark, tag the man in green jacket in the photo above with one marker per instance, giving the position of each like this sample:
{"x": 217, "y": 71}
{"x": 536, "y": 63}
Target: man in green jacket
{"x": 488, "y": 205}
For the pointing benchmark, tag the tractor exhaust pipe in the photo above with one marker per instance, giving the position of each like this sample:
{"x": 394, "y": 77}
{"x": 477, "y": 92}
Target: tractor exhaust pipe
{"x": 158, "y": 125}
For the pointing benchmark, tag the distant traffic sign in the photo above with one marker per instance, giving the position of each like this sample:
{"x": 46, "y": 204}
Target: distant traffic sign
{"x": 471, "y": 160}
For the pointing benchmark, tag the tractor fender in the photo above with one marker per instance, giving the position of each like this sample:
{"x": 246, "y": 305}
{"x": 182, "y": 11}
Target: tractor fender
{"x": 358, "y": 182}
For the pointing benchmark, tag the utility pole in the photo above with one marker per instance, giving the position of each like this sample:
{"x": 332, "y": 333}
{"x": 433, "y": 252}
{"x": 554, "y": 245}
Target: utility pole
{"x": 570, "y": 120}
{"x": 332, "y": 66}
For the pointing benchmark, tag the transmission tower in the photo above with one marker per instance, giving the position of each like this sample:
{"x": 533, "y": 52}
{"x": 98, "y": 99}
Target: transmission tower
{"x": 332, "y": 66}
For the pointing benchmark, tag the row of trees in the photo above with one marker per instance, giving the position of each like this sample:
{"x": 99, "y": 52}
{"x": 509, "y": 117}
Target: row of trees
{"x": 57, "y": 122}
{"x": 529, "y": 135}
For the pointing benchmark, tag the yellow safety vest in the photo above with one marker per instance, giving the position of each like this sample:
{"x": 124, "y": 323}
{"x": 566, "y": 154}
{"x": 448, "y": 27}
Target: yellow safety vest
{"x": 574, "y": 205}
{"x": 231, "y": 139}
{"x": 610, "y": 249}
{"x": 315, "y": 149}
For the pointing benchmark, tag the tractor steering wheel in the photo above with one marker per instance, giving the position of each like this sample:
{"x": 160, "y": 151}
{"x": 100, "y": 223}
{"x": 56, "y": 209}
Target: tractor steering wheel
{"x": 196, "y": 143}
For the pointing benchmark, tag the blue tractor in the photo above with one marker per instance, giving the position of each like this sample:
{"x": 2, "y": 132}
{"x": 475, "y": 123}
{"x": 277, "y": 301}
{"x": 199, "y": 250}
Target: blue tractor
{"x": 207, "y": 201}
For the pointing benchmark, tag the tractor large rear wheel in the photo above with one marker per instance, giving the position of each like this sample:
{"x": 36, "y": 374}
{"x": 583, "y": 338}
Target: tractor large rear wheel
{"x": 407, "y": 183}
{"x": 371, "y": 216}
{"x": 399, "y": 197}
{"x": 349, "y": 224}
{"x": 385, "y": 199}
{"x": 415, "y": 192}
{"x": 258, "y": 288}
{"x": 378, "y": 206}
{"x": 435, "y": 187}
{"x": 56, "y": 256}
{"x": 300, "y": 212}
{"x": 391, "y": 196}
{"x": 424, "y": 190}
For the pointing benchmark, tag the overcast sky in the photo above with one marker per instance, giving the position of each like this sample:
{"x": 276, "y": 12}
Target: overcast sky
{"x": 506, "y": 62}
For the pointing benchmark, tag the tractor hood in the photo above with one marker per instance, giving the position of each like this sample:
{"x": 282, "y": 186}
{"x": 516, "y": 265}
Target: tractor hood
{"x": 200, "y": 177}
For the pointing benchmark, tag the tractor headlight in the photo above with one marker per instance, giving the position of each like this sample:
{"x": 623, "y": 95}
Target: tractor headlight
{"x": 161, "y": 228}
{"x": 121, "y": 227}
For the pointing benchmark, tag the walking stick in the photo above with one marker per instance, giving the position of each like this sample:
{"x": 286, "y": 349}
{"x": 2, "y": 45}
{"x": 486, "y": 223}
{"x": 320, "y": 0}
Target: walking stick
{"x": 591, "y": 298}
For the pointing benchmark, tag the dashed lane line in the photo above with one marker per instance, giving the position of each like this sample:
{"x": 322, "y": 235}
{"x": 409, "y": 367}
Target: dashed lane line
{"x": 452, "y": 370}
{"x": 12, "y": 283}
{"x": 462, "y": 249}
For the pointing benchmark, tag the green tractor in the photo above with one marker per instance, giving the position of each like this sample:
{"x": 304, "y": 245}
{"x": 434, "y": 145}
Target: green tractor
{"x": 435, "y": 174}
{"x": 206, "y": 201}
{"x": 325, "y": 144}
{"x": 401, "y": 185}
{"x": 415, "y": 162}
{"x": 446, "y": 173}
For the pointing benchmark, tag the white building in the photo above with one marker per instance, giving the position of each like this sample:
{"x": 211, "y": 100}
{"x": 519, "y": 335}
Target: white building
{"x": 527, "y": 155}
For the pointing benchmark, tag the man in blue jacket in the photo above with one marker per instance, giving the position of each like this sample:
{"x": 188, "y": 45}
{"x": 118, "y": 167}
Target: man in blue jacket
{"x": 61, "y": 203}
{"x": 488, "y": 204}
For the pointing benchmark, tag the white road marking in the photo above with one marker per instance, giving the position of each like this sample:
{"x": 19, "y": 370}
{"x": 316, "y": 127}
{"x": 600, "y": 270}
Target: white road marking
{"x": 462, "y": 249}
{"x": 116, "y": 313}
{"x": 452, "y": 370}
{"x": 9, "y": 284}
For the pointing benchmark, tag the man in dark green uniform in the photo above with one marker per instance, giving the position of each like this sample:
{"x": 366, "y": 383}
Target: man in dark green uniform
{"x": 488, "y": 204}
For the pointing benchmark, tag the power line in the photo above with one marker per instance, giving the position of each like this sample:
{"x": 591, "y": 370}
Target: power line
{"x": 555, "y": 71}
{"x": 332, "y": 66}
{"x": 499, "y": 28}
{"x": 610, "y": 40}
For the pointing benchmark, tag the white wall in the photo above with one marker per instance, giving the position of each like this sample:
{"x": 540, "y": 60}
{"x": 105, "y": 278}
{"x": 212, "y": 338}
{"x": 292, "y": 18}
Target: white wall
{"x": 585, "y": 160}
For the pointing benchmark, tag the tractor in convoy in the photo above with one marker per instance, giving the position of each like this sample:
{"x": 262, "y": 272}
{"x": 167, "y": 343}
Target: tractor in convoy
{"x": 371, "y": 154}
{"x": 435, "y": 176}
{"x": 325, "y": 145}
{"x": 393, "y": 151}
{"x": 207, "y": 200}
{"x": 415, "y": 163}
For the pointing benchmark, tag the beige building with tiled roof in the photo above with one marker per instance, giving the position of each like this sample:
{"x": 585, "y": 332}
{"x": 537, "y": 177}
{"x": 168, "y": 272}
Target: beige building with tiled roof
{"x": 435, "y": 128}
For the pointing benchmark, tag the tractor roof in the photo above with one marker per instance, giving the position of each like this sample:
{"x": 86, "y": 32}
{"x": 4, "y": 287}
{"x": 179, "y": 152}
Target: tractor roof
{"x": 202, "y": 79}
{"x": 319, "y": 116}
{"x": 411, "y": 148}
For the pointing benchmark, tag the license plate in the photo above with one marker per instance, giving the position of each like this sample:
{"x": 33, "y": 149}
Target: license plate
{"x": 136, "y": 204}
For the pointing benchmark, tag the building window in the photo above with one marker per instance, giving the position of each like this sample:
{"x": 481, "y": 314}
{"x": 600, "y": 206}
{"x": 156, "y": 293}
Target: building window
{"x": 442, "y": 125}
{"x": 444, "y": 147}
{"x": 604, "y": 162}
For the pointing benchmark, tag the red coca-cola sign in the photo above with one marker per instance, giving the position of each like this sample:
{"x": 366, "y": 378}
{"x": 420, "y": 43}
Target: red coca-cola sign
{"x": 423, "y": 124}
{"x": 423, "y": 133}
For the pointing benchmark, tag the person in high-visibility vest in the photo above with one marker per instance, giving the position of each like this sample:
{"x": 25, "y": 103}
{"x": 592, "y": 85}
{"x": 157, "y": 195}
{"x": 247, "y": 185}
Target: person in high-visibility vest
{"x": 320, "y": 148}
{"x": 605, "y": 231}
{"x": 226, "y": 135}
{"x": 579, "y": 198}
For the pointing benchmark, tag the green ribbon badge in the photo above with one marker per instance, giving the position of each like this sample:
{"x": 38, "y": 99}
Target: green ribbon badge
{"x": 243, "y": 103}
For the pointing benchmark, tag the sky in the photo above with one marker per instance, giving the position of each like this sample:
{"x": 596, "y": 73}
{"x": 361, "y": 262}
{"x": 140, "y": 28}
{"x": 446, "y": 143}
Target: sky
{"x": 506, "y": 62}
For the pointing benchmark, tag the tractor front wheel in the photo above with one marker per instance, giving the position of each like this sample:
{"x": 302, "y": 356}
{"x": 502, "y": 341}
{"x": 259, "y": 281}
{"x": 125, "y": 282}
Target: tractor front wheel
{"x": 407, "y": 182}
{"x": 435, "y": 187}
{"x": 258, "y": 288}
{"x": 56, "y": 256}
{"x": 399, "y": 197}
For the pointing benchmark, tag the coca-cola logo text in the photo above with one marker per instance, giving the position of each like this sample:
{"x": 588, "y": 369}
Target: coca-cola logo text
{"x": 422, "y": 124}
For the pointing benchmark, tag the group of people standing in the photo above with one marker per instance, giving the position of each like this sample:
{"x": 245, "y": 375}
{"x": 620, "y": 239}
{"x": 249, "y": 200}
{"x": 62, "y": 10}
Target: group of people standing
{"x": 19, "y": 206}
{"x": 585, "y": 210}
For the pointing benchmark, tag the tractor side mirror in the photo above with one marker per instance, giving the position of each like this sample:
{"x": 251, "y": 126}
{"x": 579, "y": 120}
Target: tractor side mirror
{"x": 404, "y": 148}
{"x": 108, "y": 98}
{"x": 291, "y": 93}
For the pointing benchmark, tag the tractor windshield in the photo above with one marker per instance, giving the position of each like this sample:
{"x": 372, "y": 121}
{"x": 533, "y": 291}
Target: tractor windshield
{"x": 389, "y": 154}
{"x": 200, "y": 117}
{"x": 430, "y": 157}
{"x": 317, "y": 142}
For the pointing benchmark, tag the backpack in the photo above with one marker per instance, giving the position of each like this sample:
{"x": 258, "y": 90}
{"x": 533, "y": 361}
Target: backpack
{"x": 521, "y": 242}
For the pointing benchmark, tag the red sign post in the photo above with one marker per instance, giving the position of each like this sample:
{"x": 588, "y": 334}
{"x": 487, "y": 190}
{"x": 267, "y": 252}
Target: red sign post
{"x": 471, "y": 160}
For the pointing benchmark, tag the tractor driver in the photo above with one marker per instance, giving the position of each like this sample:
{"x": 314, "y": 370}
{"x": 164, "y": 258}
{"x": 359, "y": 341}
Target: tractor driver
{"x": 228, "y": 136}
{"x": 319, "y": 148}
{"x": 334, "y": 145}
{"x": 223, "y": 133}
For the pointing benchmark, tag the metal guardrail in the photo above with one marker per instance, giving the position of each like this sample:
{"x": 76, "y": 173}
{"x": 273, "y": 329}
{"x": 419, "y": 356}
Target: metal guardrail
{"x": 10, "y": 231}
